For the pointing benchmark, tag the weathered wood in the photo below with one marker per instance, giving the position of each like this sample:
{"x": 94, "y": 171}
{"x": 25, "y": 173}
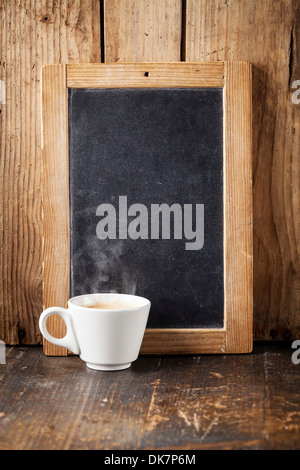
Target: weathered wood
{"x": 282, "y": 424}
{"x": 202, "y": 402}
{"x": 184, "y": 341}
{"x": 58, "y": 403}
{"x": 142, "y": 30}
{"x": 136, "y": 75}
{"x": 265, "y": 33}
{"x": 55, "y": 194}
{"x": 238, "y": 235}
{"x": 236, "y": 337}
{"x": 187, "y": 402}
{"x": 31, "y": 34}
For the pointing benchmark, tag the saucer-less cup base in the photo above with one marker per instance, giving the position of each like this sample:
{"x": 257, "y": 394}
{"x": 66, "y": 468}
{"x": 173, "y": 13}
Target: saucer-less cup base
{"x": 105, "y": 339}
{"x": 108, "y": 367}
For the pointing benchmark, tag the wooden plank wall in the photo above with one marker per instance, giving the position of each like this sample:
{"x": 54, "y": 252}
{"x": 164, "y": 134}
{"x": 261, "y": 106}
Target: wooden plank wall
{"x": 266, "y": 33}
{"x": 32, "y": 33}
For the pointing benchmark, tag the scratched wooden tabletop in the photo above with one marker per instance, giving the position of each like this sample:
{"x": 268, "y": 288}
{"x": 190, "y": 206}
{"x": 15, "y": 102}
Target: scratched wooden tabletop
{"x": 173, "y": 402}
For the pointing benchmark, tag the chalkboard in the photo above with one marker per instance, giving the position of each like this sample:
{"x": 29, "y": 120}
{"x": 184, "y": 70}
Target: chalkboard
{"x": 153, "y": 148}
{"x": 147, "y": 189}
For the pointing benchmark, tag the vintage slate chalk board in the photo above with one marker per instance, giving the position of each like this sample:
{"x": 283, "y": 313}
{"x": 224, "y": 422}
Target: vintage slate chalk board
{"x": 153, "y": 165}
{"x": 151, "y": 146}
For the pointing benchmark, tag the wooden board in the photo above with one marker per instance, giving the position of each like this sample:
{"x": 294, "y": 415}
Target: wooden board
{"x": 265, "y": 33}
{"x": 31, "y": 34}
{"x": 42, "y": 32}
{"x": 159, "y": 403}
{"x": 142, "y": 30}
{"x": 236, "y": 336}
{"x": 55, "y": 175}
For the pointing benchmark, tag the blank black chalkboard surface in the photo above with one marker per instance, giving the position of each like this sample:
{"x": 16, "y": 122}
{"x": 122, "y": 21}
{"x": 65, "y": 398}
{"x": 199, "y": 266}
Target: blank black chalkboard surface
{"x": 156, "y": 154}
{"x": 147, "y": 190}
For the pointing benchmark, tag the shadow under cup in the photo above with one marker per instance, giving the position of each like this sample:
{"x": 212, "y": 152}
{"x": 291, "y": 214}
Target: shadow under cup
{"x": 106, "y": 330}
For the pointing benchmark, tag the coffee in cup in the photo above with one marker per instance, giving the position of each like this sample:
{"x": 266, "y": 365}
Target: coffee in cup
{"x": 106, "y": 330}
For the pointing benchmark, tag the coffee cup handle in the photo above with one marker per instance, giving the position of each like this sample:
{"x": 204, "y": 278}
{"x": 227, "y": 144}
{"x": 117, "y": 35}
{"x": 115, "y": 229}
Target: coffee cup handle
{"x": 69, "y": 341}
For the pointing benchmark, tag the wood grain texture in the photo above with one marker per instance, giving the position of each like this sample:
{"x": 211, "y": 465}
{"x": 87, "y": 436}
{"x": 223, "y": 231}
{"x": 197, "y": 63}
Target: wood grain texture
{"x": 150, "y": 75}
{"x": 265, "y": 33}
{"x": 237, "y": 335}
{"x": 35, "y": 33}
{"x": 238, "y": 235}
{"x": 142, "y": 30}
{"x": 184, "y": 341}
{"x": 133, "y": 31}
{"x": 55, "y": 195}
{"x": 31, "y": 34}
{"x": 178, "y": 403}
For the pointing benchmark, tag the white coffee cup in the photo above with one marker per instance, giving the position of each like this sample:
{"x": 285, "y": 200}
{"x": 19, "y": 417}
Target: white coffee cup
{"x": 107, "y": 337}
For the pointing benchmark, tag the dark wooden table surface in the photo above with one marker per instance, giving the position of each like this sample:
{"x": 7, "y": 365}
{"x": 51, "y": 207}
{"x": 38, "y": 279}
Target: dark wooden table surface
{"x": 177, "y": 402}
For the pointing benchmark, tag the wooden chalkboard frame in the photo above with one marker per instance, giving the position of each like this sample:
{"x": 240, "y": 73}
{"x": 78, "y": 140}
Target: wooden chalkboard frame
{"x": 235, "y": 77}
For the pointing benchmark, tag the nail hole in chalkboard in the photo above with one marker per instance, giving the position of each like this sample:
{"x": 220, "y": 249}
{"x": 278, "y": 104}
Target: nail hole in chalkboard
{"x": 146, "y": 74}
